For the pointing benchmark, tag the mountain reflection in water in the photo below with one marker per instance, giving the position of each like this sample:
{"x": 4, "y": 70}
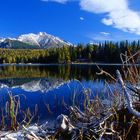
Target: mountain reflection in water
{"x": 53, "y": 88}
{"x": 56, "y": 94}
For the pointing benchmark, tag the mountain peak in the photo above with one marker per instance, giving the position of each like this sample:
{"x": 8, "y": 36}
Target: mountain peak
{"x": 41, "y": 40}
{"x": 42, "y": 33}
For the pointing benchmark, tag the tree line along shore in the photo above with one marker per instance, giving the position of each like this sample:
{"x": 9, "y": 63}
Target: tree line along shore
{"x": 107, "y": 52}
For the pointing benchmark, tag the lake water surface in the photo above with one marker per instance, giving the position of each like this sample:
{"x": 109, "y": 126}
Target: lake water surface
{"x": 48, "y": 90}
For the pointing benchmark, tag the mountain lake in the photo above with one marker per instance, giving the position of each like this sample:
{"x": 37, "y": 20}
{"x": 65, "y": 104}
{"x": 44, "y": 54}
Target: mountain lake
{"x": 48, "y": 90}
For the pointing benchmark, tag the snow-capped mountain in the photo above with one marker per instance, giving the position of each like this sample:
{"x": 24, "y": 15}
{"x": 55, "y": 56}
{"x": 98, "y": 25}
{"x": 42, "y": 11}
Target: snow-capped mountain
{"x": 43, "y": 40}
{"x": 42, "y": 85}
{"x": 40, "y": 40}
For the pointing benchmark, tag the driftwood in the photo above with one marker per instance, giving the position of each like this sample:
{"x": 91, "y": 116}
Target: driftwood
{"x": 129, "y": 103}
{"x": 66, "y": 129}
{"x": 63, "y": 124}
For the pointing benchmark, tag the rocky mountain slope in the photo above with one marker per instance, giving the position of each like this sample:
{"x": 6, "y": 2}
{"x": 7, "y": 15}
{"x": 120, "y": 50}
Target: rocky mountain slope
{"x": 41, "y": 40}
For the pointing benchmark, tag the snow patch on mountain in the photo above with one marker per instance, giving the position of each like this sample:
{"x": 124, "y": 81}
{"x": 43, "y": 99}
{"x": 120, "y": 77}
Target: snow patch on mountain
{"x": 2, "y": 39}
{"x": 43, "y": 40}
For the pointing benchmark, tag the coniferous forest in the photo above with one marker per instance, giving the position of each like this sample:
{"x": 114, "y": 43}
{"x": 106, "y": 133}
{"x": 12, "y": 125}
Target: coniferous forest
{"x": 107, "y": 52}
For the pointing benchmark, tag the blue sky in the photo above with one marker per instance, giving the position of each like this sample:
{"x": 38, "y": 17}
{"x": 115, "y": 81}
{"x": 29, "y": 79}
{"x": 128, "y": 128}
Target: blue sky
{"x": 77, "y": 21}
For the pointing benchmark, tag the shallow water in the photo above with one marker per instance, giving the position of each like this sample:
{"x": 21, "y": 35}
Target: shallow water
{"x": 49, "y": 90}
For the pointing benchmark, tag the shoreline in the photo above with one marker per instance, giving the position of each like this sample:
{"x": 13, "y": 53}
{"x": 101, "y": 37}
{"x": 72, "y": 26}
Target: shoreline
{"x": 59, "y": 64}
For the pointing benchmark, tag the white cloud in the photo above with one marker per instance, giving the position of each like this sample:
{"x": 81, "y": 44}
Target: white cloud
{"x": 82, "y": 18}
{"x": 107, "y": 21}
{"x": 103, "y": 6}
{"x": 116, "y": 13}
{"x": 59, "y": 1}
{"x": 105, "y": 33}
{"x": 101, "y": 36}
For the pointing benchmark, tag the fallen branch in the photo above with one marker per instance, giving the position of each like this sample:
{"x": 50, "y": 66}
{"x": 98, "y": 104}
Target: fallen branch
{"x": 127, "y": 96}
